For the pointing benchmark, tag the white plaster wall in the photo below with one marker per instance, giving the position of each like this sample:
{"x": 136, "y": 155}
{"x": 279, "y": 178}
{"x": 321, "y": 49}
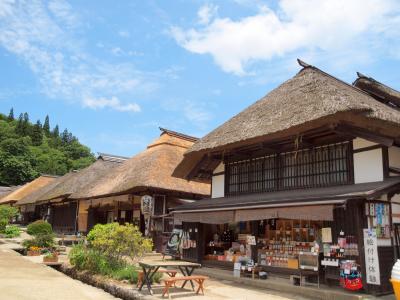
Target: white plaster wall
{"x": 361, "y": 143}
{"x": 218, "y": 182}
{"x": 218, "y": 186}
{"x": 394, "y": 157}
{"x": 368, "y": 165}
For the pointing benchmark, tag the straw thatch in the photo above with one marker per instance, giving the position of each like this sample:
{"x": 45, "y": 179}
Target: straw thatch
{"x": 378, "y": 90}
{"x": 304, "y": 101}
{"x": 74, "y": 181}
{"x": 5, "y": 190}
{"x": 150, "y": 169}
{"x": 308, "y": 96}
{"x": 27, "y": 189}
{"x": 40, "y": 194}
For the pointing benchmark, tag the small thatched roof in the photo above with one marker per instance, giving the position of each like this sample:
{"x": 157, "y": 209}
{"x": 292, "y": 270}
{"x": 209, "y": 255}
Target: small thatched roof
{"x": 5, "y": 190}
{"x": 309, "y": 97}
{"x": 40, "y": 194}
{"x": 150, "y": 169}
{"x": 74, "y": 181}
{"x": 27, "y": 189}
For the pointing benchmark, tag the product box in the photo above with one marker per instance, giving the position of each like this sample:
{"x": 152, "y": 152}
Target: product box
{"x": 293, "y": 263}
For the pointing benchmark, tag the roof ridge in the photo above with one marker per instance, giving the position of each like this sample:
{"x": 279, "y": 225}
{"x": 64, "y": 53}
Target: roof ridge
{"x": 179, "y": 135}
{"x": 100, "y": 154}
{"x": 307, "y": 66}
{"x": 360, "y": 75}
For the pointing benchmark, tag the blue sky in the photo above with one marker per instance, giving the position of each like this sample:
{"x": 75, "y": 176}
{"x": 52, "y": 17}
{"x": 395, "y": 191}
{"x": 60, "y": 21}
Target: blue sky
{"x": 112, "y": 72}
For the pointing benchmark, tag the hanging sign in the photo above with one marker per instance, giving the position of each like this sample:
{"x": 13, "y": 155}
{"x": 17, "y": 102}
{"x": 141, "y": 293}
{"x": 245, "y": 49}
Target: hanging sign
{"x": 371, "y": 257}
{"x": 146, "y": 205}
{"x": 174, "y": 243}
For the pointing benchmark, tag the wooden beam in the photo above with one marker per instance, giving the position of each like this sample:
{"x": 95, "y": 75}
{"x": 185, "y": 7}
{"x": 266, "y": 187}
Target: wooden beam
{"x": 365, "y": 134}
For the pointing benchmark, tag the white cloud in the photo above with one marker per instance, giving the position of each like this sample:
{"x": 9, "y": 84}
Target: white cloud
{"x": 44, "y": 36}
{"x": 113, "y": 103}
{"x": 328, "y": 26}
{"x": 206, "y": 13}
{"x": 124, "y": 33}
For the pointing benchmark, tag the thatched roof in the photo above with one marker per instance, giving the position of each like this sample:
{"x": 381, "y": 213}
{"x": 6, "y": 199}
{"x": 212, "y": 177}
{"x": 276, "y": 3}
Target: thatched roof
{"x": 5, "y": 190}
{"x": 309, "y": 97}
{"x": 74, "y": 181}
{"x": 27, "y": 189}
{"x": 150, "y": 169}
{"x": 378, "y": 90}
{"x": 40, "y": 194}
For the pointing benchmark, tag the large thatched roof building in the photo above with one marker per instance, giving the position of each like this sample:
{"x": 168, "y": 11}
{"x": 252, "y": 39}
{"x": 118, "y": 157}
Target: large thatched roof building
{"x": 27, "y": 189}
{"x": 310, "y": 100}
{"x": 317, "y": 156}
{"x": 148, "y": 170}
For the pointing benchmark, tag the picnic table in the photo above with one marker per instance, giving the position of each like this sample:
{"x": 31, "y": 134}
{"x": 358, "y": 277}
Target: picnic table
{"x": 150, "y": 268}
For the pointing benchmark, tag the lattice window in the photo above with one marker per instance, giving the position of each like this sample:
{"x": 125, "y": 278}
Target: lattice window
{"x": 318, "y": 167}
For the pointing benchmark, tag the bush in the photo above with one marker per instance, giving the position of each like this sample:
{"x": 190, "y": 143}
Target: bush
{"x": 41, "y": 241}
{"x": 89, "y": 259}
{"x": 84, "y": 258}
{"x": 7, "y": 212}
{"x": 12, "y": 231}
{"x": 115, "y": 241}
{"x": 39, "y": 227}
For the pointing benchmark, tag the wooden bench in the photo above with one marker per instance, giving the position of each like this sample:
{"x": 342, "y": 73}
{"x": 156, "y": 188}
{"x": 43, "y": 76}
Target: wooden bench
{"x": 171, "y": 281}
{"x": 171, "y": 273}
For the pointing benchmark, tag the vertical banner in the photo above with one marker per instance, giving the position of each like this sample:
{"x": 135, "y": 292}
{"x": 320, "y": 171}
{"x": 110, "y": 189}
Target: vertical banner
{"x": 371, "y": 257}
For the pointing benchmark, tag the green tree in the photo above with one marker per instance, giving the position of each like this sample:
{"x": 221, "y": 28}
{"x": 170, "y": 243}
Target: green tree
{"x": 56, "y": 132}
{"x": 46, "y": 126}
{"x": 11, "y": 115}
{"x": 15, "y": 170}
{"x": 37, "y": 134}
{"x": 65, "y": 136}
{"x": 19, "y": 129}
{"x": 25, "y": 124}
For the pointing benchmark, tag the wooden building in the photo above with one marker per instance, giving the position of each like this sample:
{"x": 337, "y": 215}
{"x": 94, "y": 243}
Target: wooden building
{"x": 116, "y": 196}
{"x": 53, "y": 203}
{"x": 315, "y": 160}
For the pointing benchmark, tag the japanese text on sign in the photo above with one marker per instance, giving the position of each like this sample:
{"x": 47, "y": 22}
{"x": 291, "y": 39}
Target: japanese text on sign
{"x": 371, "y": 257}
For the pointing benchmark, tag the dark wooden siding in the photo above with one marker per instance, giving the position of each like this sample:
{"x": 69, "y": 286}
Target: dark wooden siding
{"x": 194, "y": 254}
{"x": 317, "y": 167}
{"x": 63, "y": 217}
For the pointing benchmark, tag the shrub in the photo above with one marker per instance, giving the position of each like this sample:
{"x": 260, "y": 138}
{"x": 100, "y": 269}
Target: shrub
{"x": 84, "y": 258}
{"x": 7, "y": 212}
{"x": 12, "y": 231}
{"x": 89, "y": 259}
{"x": 39, "y": 227}
{"x": 115, "y": 241}
{"x": 41, "y": 241}
{"x": 3, "y": 225}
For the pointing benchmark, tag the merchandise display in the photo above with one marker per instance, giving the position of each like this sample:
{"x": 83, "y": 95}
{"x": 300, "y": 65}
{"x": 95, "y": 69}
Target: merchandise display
{"x": 378, "y": 215}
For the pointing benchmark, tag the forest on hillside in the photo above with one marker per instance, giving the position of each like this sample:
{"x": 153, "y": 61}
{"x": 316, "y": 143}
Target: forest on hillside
{"x": 28, "y": 150}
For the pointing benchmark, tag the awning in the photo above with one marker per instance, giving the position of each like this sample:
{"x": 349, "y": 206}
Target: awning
{"x": 308, "y": 204}
{"x": 308, "y": 212}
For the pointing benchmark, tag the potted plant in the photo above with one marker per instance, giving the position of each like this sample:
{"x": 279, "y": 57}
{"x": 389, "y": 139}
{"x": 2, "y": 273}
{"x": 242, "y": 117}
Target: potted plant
{"x": 33, "y": 251}
{"x": 50, "y": 257}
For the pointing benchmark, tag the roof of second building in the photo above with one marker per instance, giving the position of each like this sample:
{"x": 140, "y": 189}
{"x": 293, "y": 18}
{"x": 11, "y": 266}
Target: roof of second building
{"x": 73, "y": 181}
{"x": 151, "y": 168}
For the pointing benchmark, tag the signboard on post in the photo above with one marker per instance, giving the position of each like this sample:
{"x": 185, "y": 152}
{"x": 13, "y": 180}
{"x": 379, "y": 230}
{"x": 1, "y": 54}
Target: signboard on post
{"x": 371, "y": 257}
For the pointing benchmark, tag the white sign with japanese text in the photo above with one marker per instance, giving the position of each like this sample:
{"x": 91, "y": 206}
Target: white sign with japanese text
{"x": 371, "y": 257}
